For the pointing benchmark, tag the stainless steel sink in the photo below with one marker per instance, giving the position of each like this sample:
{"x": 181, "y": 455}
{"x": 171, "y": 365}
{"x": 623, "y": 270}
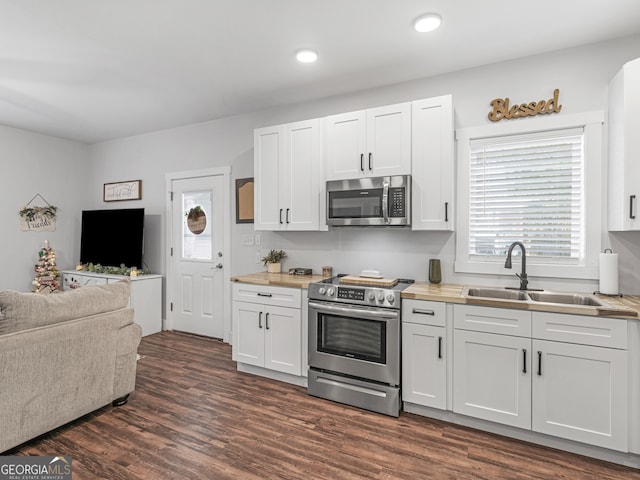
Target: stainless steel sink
{"x": 532, "y": 296}
{"x": 565, "y": 298}
{"x": 496, "y": 293}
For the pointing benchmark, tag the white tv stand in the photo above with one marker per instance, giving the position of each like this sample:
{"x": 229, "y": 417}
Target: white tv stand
{"x": 146, "y": 294}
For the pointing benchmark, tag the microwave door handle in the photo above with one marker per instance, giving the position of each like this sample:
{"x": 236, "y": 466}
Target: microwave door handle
{"x": 385, "y": 201}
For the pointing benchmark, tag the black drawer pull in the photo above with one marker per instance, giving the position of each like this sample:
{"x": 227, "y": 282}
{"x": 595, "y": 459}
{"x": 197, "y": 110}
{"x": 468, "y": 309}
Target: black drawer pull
{"x": 362, "y": 162}
{"x": 260, "y": 294}
{"x": 266, "y": 321}
{"x": 631, "y": 201}
{"x": 260, "y": 320}
{"x": 524, "y": 360}
{"x": 419, "y": 311}
{"x": 439, "y": 347}
{"x": 446, "y": 211}
{"x": 370, "y": 161}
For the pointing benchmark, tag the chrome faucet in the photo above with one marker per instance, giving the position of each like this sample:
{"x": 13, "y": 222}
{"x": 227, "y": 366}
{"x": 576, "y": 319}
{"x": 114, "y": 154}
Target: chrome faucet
{"x": 507, "y": 264}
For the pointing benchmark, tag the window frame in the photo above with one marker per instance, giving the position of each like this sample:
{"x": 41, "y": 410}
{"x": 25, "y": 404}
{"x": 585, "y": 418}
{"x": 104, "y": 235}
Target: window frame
{"x": 594, "y": 183}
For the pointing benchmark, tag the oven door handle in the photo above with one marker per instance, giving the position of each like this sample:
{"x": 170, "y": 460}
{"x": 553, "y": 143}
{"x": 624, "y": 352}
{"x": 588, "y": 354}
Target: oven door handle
{"x": 354, "y": 311}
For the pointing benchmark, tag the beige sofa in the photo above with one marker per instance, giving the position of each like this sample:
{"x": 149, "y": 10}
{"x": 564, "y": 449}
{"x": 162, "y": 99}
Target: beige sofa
{"x": 62, "y": 356}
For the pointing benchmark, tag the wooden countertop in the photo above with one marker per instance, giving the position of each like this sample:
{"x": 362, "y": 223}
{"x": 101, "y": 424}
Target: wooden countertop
{"x": 623, "y": 307}
{"x": 278, "y": 279}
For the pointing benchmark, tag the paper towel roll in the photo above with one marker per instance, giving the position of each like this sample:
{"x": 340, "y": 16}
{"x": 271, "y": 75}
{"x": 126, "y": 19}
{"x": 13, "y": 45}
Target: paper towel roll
{"x": 609, "y": 273}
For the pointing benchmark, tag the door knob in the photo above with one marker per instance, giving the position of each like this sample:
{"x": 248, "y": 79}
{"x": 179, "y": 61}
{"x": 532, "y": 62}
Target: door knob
{"x": 218, "y": 266}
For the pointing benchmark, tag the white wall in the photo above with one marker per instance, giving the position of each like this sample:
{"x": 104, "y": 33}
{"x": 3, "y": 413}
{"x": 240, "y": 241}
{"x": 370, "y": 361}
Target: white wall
{"x": 582, "y": 75}
{"x": 56, "y": 169}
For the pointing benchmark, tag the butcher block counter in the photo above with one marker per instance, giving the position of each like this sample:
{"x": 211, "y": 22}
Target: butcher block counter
{"x": 277, "y": 279}
{"x": 622, "y": 307}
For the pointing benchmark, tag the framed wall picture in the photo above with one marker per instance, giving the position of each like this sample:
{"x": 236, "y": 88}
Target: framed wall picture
{"x": 119, "y": 191}
{"x": 244, "y": 200}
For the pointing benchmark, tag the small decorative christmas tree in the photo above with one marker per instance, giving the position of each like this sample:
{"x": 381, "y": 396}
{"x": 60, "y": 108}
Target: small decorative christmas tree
{"x": 47, "y": 276}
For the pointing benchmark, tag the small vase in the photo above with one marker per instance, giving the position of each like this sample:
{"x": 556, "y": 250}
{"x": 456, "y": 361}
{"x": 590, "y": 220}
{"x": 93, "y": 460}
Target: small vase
{"x": 435, "y": 271}
{"x": 274, "y": 267}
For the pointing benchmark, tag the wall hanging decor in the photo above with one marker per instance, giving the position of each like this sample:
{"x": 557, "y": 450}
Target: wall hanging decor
{"x": 196, "y": 220}
{"x": 119, "y": 191}
{"x": 35, "y": 218}
{"x": 502, "y": 108}
{"x": 244, "y": 200}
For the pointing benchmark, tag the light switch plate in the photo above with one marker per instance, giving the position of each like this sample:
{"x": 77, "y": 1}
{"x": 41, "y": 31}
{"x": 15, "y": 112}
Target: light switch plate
{"x": 246, "y": 240}
{"x": 258, "y": 239}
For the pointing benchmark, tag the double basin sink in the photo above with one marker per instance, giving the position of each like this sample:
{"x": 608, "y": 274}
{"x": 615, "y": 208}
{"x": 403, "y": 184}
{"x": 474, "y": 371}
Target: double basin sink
{"x": 533, "y": 296}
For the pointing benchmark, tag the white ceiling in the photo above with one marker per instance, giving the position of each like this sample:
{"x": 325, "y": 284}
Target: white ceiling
{"x": 92, "y": 70}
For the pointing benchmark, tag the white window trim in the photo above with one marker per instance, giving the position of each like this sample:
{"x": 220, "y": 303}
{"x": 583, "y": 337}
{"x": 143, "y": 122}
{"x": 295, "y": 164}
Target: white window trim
{"x": 594, "y": 171}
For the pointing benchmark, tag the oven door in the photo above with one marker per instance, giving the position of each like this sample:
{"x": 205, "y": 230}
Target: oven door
{"x": 352, "y": 340}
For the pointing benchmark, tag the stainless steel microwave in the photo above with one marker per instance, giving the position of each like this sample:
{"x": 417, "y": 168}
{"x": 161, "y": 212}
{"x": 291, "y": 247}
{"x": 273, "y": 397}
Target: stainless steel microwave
{"x": 371, "y": 201}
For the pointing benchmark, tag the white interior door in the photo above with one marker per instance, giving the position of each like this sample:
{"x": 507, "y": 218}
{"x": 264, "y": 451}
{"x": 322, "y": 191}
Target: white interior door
{"x": 198, "y": 258}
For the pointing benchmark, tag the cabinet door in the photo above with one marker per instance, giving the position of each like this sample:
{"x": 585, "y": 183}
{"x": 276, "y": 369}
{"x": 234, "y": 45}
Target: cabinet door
{"x": 301, "y": 178}
{"x": 492, "y": 377}
{"x": 346, "y": 142}
{"x": 283, "y": 347}
{"x": 388, "y": 140}
{"x": 268, "y": 151}
{"x": 432, "y": 166}
{"x": 624, "y": 148}
{"x": 424, "y": 374}
{"x": 248, "y": 333}
{"x": 580, "y": 393}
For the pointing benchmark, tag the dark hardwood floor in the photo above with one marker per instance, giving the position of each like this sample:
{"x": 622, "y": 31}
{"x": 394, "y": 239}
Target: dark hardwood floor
{"x": 193, "y": 416}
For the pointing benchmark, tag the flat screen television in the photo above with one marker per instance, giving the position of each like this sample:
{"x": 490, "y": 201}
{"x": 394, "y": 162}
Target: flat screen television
{"x": 112, "y": 237}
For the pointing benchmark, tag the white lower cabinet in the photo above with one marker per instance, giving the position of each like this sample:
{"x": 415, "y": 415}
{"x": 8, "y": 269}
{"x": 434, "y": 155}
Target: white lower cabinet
{"x": 492, "y": 378}
{"x": 424, "y": 348}
{"x": 570, "y": 382}
{"x": 579, "y": 393}
{"x": 267, "y": 335}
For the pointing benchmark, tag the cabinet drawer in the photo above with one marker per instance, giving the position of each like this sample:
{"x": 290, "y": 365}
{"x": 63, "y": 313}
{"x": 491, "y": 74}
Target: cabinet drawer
{"x": 492, "y": 320}
{"x": 581, "y": 329}
{"x": 267, "y": 295}
{"x": 424, "y": 312}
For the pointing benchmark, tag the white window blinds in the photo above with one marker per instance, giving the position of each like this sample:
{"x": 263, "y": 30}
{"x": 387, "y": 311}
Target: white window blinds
{"x": 528, "y": 188}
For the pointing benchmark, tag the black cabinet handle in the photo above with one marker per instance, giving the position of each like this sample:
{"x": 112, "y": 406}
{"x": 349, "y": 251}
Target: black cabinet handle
{"x": 266, "y": 321}
{"x": 631, "y": 202}
{"x": 260, "y": 294}
{"x": 423, "y": 312}
{"x": 524, "y": 360}
{"x": 539, "y": 363}
{"x": 280, "y": 216}
{"x": 446, "y": 211}
{"x": 260, "y": 320}
{"x": 439, "y": 347}
{"x": 370, "y": 154}
{"x": 287, "y": 216}
{"x": 362, "y": 162}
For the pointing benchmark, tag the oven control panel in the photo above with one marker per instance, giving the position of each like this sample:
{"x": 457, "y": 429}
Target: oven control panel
{"x": 347, "y": 293}
{"x": 370, "y": 296}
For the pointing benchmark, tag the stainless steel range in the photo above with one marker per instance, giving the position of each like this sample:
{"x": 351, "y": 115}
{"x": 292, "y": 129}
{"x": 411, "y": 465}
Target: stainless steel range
{"x": 354, "y": 344}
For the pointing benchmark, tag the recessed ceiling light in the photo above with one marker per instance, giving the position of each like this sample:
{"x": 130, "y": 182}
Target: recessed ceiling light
{"x": 306, "y": 56}
{"x": 427, "y": 23}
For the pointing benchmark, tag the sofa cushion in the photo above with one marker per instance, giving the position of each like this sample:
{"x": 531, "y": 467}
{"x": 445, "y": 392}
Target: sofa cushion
{"x": 22, "y": 311}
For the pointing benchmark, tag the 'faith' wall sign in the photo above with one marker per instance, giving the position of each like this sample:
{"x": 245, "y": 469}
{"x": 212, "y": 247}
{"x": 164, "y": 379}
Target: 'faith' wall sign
{"x": 503, "y": 109}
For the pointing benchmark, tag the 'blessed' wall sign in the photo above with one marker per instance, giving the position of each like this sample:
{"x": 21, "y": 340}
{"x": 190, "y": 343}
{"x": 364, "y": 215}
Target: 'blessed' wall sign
{"x": 503, "y": 109}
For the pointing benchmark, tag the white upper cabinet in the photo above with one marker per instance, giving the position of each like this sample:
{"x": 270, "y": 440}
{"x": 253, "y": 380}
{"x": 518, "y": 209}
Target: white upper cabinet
{"x": 288, "y": 177}
{"x": 432, "y": 164}
{"x": 374, "y": 142}
{"x": 624, "y": 148}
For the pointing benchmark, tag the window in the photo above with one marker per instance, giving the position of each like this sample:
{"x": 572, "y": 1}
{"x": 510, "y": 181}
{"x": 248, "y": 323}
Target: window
{"x": 527, "y": 188}
{"x": 540, "y": 187}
